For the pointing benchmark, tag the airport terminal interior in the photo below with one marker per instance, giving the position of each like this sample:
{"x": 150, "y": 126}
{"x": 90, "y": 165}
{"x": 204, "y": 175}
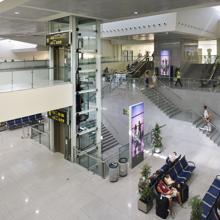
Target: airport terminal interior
{"x": 109, "y": 110}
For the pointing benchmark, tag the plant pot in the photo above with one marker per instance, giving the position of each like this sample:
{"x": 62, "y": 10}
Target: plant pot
{"x": 157, "y": 150}
{"x": 145, "y": 206}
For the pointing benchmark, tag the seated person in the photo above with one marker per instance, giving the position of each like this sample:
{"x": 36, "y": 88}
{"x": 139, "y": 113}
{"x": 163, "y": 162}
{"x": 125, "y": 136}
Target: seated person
{"x": 169, "y": 192}
{"x": 170, "y": 182}
{"x": 154, "y": 176}
{"x": 172, "y": 158}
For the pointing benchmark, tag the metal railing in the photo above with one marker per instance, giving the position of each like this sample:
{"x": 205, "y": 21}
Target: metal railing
{"x": 193, "y": 84}
{"x": 100, "y": 166}
{"x": 200, "y": 59}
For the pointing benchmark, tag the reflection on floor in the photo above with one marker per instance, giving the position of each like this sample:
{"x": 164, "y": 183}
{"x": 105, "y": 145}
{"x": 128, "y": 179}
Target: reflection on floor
{"x": 38, "y": 184}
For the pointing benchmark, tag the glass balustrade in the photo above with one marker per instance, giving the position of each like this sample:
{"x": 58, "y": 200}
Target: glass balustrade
{"x": 20, "y": 79}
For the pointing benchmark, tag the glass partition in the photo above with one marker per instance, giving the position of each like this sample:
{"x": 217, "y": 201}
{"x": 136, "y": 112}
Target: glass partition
{"x": 11, "y": 80}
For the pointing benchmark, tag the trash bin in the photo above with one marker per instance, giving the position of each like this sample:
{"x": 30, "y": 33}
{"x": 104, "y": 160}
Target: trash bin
{"x": 113, "y": 172}
{"x": 123, "y": 166}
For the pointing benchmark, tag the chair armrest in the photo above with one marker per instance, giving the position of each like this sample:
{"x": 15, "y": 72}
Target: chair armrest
{"x": 218, "y": 177}
{"x": 191, "y": 163}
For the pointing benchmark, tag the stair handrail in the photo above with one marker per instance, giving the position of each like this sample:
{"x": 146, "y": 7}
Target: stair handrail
{"x": 190, "y": 110}
{"x": 139, "y": 64}
{"x": 214, "y": 68}
{"x": 110, "y": 123}
{"x": 170, "y": 90}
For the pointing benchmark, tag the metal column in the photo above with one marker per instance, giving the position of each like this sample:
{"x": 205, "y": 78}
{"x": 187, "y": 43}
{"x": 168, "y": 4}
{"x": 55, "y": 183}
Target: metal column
{"x": 99, "y": 90}
{"x": 73, "y": 81}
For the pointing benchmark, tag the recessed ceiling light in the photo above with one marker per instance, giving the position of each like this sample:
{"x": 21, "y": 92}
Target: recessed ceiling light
{"x": 2, "y": 1}
{"x": 136, "y": 12}
{"x": 16, "y": 13}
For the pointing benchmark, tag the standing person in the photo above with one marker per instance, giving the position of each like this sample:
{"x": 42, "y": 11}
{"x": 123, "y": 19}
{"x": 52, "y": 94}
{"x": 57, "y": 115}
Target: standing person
{"x": 154, "y": 80}
{"x": 147, "y": 79}
{"x": 178, "y": 78}
{"x": 147, "y": 56}
{"x": 207, "y": 118}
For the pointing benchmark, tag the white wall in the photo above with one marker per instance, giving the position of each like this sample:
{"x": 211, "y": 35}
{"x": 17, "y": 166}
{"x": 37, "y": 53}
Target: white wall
{"x": 208, "y": 44}
{"x": 8, "y": 52}
{"x": 107, "y": 48}
{"x": 27, "y": 102}
{"x": 140, "y": 48}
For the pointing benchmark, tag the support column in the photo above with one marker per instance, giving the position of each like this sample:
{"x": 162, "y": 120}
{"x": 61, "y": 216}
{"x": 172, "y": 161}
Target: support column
{"x": 218, "y": 46}
{"x": 99, "y": 90}
{"x": 73, "y": 81}
{"x": 51, "y": 78}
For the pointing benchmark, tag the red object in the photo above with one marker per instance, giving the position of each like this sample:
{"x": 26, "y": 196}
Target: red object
{"x": 163, "y": 187}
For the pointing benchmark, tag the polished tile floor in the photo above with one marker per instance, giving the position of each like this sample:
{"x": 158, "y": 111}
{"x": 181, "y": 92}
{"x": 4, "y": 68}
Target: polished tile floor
{"x": 38, "y": 184}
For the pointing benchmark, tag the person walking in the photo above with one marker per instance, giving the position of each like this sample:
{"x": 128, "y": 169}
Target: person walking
{"x": 154, "y": 80}
{"x": 178, "y": 78}
{"x": 147, "y": 79}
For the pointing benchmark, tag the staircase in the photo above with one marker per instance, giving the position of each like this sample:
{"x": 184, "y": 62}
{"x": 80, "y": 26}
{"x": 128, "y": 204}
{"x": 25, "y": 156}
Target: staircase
{"x": 163, "y": 103}
{"x": 214, "y": 135}
{"x": 108, "y": 140}
{"x": 217, "y": 72}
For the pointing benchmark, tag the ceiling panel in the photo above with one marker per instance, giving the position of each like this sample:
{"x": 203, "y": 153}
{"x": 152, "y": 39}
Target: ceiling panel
{"x": 8, "y": 26}
{"x": 25, "y": 13}
{"x": 115, "y": 9}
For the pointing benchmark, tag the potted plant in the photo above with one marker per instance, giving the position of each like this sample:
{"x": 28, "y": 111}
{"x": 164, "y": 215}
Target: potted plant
{"x": 157, "y": 139}
{"x": 145, "y": 203}
{"x": 146, "y": 170}
{"x": 196, "y": 206}
{"x": 144, "y": 180}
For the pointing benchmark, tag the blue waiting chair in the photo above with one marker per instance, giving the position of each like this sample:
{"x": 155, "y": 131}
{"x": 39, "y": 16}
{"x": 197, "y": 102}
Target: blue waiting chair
{"x": 187, "y": 166}
{"x": 209, "y": 200}
{"x": 39, "y": 117}
{"x": 18, "y": 123}
{"x": 25, "y": 121}
{"x": 32, "y": 119}
{"x": 11, "y": 124}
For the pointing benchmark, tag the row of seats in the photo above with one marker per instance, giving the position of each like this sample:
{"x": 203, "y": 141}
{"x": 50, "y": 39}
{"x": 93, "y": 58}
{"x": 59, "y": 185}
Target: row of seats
{"x": 182, "y": 170}
{"x": 25, "y": 121}
{"x": 210, "y": 199}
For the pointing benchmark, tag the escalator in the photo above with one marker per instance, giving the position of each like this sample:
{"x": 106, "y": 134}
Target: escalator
{"x": 139, "y": 67}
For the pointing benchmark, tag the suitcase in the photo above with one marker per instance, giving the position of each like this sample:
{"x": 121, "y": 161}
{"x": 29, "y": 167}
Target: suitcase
{"x": 162, "y": 206}
{"x": 184, "y": 192}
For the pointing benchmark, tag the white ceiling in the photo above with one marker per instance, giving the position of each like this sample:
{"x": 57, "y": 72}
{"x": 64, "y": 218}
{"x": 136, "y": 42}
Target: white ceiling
{"x": 33, "y": 14}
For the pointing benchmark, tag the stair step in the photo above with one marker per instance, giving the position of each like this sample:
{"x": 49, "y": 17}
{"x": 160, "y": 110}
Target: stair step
{"x": 213, "y": 133}
{"x": 214, "y": 136}
{"x": 169, "y": 109}
{"x": 199, "y": 124}
{"x": 110, "y": 138}
{"x": 174, "y": 113}
{"x": 108, "y": 147}
{"x": 197, "y": 120}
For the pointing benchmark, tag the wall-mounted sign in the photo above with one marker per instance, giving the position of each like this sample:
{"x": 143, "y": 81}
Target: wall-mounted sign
{"x": 58, "y": 115}
{"x": 58, "y": 39}
{"x": 136, "y": 134}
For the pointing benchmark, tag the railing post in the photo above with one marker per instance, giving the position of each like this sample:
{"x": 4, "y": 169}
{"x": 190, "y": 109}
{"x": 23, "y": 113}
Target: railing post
{"x": 32, "y": 79}
{"x": 12, "y": 79}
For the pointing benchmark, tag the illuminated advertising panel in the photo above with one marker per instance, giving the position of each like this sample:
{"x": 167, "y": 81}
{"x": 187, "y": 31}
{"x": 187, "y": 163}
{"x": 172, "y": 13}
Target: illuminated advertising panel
{"x": 136, "y": 133}
{"x": 165, "y": 63}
